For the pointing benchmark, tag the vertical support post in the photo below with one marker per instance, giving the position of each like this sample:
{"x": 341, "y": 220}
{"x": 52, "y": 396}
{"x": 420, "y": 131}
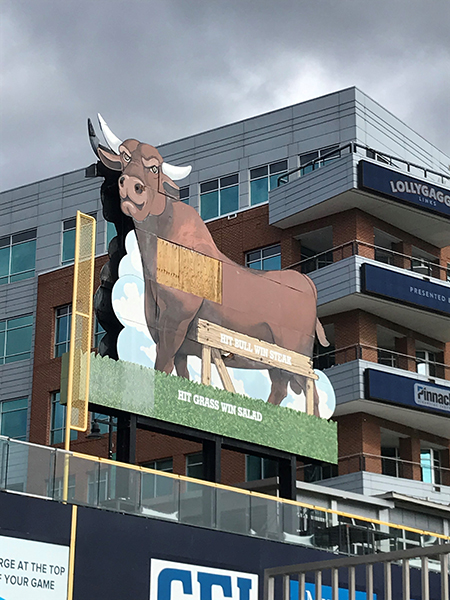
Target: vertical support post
{"x": 369, "y": 582}
{"x": 212, "y": 450}
{"x": 406, "y": 595}
{"x": 309, "y": 396}
{"x": 351, "y": 583}
{"x": 286, "y": 587}
{"x": 424, "y": 579}
{"x": 318, "y": 584}
{"x": 73, "y": 539}
{"x": 444, "y": 577}
{"x": 335, "y": 584}
{"x": 269, "y": 588}
{"x": 126, "y": 438}
{"x": 301, "y": 586}
{"x": 287, "y": 477}
{"x": 206, "y": 365}
{"x": 387, "y": 581}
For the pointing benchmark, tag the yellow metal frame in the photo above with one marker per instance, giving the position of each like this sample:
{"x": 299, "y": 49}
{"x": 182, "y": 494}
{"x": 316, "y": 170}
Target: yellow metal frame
{"x": 228, "y": 488}
{"x": 81, "y": 295}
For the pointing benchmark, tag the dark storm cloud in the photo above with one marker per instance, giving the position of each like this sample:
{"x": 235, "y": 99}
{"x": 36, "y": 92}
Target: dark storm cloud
{"x": 164, "y": 70}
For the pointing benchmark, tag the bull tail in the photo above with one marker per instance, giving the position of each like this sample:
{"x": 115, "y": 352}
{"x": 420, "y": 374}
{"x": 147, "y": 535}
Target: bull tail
{"x": 321, "y": 336}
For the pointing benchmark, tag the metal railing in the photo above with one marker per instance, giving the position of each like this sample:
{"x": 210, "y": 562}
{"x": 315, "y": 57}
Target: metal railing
{"x": 102, "y": 483}
{"x": 381, "y": 356}
{"x": 392, "y": 466}
{"x": 378, "y": 253}
{"x": 366, "y": 152}
{"x": 303, "y": 580}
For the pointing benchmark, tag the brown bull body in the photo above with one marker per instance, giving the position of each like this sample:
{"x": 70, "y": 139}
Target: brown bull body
{"x": 274, "y": 306}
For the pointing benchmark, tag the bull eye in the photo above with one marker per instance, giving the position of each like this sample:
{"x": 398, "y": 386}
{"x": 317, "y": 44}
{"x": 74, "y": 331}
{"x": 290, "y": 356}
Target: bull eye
{"x": 154, "y": 169}
{"x": 126, "y": 157}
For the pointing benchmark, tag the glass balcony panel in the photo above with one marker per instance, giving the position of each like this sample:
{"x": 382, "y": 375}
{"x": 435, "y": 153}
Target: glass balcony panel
{"x": 159, "y": 496}
{"x": 265, "y": 518}
{"x": 233, "y": 512}
{"x": 196, "y": 504}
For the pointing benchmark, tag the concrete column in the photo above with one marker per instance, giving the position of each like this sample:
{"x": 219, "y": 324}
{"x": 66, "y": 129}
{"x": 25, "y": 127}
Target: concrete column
{"x": 410, "y": 452}
{"x": 407, "y": 346}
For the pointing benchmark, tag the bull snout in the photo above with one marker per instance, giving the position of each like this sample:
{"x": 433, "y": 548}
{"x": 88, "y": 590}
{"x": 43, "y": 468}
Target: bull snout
{"x": 131, "y": 188}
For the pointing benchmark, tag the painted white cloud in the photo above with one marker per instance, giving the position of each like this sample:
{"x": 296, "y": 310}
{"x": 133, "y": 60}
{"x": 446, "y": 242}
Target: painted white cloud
{"x": 128, "y": 304}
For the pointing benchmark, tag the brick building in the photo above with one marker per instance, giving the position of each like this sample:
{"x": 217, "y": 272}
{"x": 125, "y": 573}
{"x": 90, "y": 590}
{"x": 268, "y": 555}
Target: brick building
{"x": 336, "y": 187}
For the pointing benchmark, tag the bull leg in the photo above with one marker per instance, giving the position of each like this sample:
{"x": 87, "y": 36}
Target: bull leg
{"x": 181, "y": 366}
{"x": 280, "y": 380}
{"x": 169, "y": 343}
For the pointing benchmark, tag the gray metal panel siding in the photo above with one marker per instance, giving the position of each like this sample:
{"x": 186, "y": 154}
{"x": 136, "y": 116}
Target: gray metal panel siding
{"x": 347, "y": 381}
{"x": 312, "y": 189}
{"x": 336, "y": 280}
{"x": 16, "y": 380}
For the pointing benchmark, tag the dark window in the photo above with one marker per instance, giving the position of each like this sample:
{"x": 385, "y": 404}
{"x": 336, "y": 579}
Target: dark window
{"x": 264, "y": 259}
{"x": 154, "y": 485}
{"x": 63, "y": 318}
{"x": 15, "y": 339}
{"x": 68, "y": 241}
{"x": 263, "y": 179}
{"x": 13, "y": 418}
{"x": 259, "y": 468}
{"x": 58, "y": 421}
{"x": 219, "y": 197}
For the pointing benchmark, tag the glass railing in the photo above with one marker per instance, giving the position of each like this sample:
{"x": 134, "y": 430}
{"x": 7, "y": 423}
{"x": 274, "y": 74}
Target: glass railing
{"x": 90, "y": 481}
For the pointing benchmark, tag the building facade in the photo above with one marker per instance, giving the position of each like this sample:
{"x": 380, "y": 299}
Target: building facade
{"x": 336, "y": 187}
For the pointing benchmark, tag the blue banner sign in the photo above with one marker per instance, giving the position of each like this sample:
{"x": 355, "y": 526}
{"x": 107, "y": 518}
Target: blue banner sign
{"x": 310, "y": 592}
{"x": 405, "y": 288}
{"x": 399, "y": 186}
{"x": 388, "y": 387}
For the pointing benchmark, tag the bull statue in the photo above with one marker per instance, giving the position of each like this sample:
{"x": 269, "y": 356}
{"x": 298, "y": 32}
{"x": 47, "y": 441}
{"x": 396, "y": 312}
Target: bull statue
{"x": 277, "y": 307}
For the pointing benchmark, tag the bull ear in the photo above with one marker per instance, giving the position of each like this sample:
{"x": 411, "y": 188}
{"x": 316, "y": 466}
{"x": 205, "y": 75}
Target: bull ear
{"x": 109, "y": 159}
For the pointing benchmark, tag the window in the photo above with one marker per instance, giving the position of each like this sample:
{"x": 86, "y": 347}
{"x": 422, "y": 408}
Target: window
{"x": 330, "y": 153}
{"x": 194, "y": 465}
{"x": 58, "y": 421}
{"x": 152, "y": 485}
{"x": 430, "y": 462}
{"x": 219, "y": 197}
{"x": 312, "y": 473}
{"x": 17, "y": 256}
{"x": 184, "y": 194}
{"x": 63, "y": 318}
{"x": 264, "y": 179}
{"x": 99, "y": 332}
{"x": 264, "y": 259}
{"x": 390, "y": 463}
{"x": 15, "y": 339}
{"x": 259, "y": 468}
{"x": 387, "y": 358}
{"x": 68, "y": 241}
{"x": 426, "y": 363}
{"x": 111, "y": 233}
{"x": 13, "y": 418}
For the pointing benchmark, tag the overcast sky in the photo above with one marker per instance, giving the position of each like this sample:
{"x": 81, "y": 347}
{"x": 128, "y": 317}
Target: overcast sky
{"x": 161, "y": 70}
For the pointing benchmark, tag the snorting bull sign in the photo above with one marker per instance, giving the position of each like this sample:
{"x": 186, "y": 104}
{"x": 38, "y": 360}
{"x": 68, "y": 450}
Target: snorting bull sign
{"x": 196, "y": 298}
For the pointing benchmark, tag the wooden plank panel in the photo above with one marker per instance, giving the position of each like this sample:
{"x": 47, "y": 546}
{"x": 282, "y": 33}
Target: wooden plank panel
{"x": 224, "y": 375}
{"x": 206, "y": 365}
{"x": 256, "y": 350}
{"x": 189, "y": 271}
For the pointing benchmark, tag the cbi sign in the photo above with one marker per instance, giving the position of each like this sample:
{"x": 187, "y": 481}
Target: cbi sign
{"x": 180, "y": 581}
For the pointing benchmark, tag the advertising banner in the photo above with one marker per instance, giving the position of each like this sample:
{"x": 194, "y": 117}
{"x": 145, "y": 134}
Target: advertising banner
{"x": 32, "y": 570}
{"x": 407, "y": 391}
{"x": 402, "y": 187}
{"x": 405, "y": 288}
{"x": 230, "y": 348}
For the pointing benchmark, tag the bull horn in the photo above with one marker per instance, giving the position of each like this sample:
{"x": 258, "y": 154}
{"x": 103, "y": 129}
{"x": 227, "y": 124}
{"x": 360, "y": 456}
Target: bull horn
{"x": 175, "y": 173}
{"x": 111, "y": 139}
{"x": 95, "y": 142}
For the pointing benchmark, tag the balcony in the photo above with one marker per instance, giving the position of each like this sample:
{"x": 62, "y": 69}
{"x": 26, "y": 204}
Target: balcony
{"x": 357, "y": 389}
{"x": 407, "y": 290}
{"x": 343, "y": 180}
{"x": 375, "y": 475}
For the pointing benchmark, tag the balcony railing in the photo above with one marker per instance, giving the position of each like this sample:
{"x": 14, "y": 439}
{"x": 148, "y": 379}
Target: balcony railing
{"x": 383, "y": 465}
{"x": 378, "y": 253}
{"x": 55, "y": 474}
{"x": 365, "y": 152}
{"x": 382, "y": 356}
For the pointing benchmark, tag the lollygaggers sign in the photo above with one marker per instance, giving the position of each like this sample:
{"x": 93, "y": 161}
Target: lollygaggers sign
{"x": 402, "y": 187}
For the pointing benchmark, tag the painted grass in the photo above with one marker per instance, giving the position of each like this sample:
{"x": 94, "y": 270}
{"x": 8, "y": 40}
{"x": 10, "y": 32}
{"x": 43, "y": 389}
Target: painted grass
{"x": 130, "y": 387}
